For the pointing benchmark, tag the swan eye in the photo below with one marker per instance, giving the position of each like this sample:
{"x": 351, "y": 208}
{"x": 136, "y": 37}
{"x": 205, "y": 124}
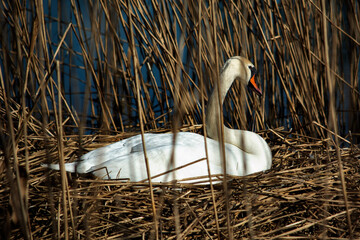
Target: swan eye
{"x": 252, "y": 70}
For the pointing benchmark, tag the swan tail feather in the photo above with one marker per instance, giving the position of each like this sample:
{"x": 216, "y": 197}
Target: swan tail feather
{"x": 69, "y": 167}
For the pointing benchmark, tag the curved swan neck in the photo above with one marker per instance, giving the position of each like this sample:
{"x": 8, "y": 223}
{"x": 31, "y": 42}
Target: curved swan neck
{"x": 227, "y": 76}
{"x": 245, "y": 140}
{"x": 213, "y": 109}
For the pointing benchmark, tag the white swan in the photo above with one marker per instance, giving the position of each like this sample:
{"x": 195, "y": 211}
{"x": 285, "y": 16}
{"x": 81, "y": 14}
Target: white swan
{"x": 246, "y": 152}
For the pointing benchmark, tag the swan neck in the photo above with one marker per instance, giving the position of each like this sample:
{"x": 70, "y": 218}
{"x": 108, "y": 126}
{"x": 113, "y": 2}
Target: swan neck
{"x": 213, "y": 110}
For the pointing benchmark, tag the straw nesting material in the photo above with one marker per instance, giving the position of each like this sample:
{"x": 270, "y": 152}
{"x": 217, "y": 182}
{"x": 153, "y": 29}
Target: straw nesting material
{"x": 300, "y": 197}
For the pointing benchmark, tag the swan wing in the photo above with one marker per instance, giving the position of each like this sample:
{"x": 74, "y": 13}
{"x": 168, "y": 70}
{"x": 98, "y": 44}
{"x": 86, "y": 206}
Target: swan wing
{"x": 189, "y": 160}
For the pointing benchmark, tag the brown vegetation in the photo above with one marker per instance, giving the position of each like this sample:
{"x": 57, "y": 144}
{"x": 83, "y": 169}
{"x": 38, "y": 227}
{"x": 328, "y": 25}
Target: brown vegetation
{"x": 90, "y": 75}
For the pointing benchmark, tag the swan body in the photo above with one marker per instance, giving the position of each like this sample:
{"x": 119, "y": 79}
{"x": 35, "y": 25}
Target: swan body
{"x": 125, "y": 159}
{"x": 245, "y": 152}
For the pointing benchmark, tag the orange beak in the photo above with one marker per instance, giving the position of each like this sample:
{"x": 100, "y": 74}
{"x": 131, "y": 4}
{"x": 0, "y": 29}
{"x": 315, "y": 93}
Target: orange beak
{"x": 254, "y": 87}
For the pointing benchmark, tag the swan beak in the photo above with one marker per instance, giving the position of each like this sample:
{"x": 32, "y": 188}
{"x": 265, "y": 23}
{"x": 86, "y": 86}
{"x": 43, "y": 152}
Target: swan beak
{"x": 254, "y": 87}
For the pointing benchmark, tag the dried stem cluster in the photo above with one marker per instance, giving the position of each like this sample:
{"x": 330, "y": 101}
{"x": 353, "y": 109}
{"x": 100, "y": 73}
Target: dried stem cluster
{"x": 69, "y": 69}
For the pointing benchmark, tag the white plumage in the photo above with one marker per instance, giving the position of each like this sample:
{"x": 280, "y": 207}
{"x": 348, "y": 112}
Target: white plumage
{"x": 246, "y": 152}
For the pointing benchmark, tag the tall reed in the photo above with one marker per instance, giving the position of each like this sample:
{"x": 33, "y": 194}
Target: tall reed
{"x": 107, "y": 67}
{"x": 91, "y": 41}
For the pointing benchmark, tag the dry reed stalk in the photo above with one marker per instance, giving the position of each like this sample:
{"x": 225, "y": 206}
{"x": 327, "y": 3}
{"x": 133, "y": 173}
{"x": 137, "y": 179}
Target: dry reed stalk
{"x": 141, "y": 112}
{"x": 333, "y": 118}
{"x": 203, "y": 114}
{"x": 176, "y": 48}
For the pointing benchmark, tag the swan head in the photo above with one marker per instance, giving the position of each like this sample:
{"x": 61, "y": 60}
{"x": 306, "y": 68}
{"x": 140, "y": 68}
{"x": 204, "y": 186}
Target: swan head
{"x": 241, "y": 68}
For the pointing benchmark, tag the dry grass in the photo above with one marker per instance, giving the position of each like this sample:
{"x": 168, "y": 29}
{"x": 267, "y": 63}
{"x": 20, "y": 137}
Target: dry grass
{"x": 300, "y": 197}
{"x": 89, "y": 68}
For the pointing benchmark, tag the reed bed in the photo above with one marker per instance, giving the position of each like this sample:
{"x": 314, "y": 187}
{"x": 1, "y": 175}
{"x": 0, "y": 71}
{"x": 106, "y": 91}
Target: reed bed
{"x": 300, "y": 197}
{"x": 77, "y": 75}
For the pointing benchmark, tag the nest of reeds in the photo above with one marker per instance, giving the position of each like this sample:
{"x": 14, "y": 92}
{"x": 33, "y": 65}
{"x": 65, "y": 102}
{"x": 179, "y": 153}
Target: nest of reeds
{"x": 302, "y": 195}
{"x": 69, "y": 69}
